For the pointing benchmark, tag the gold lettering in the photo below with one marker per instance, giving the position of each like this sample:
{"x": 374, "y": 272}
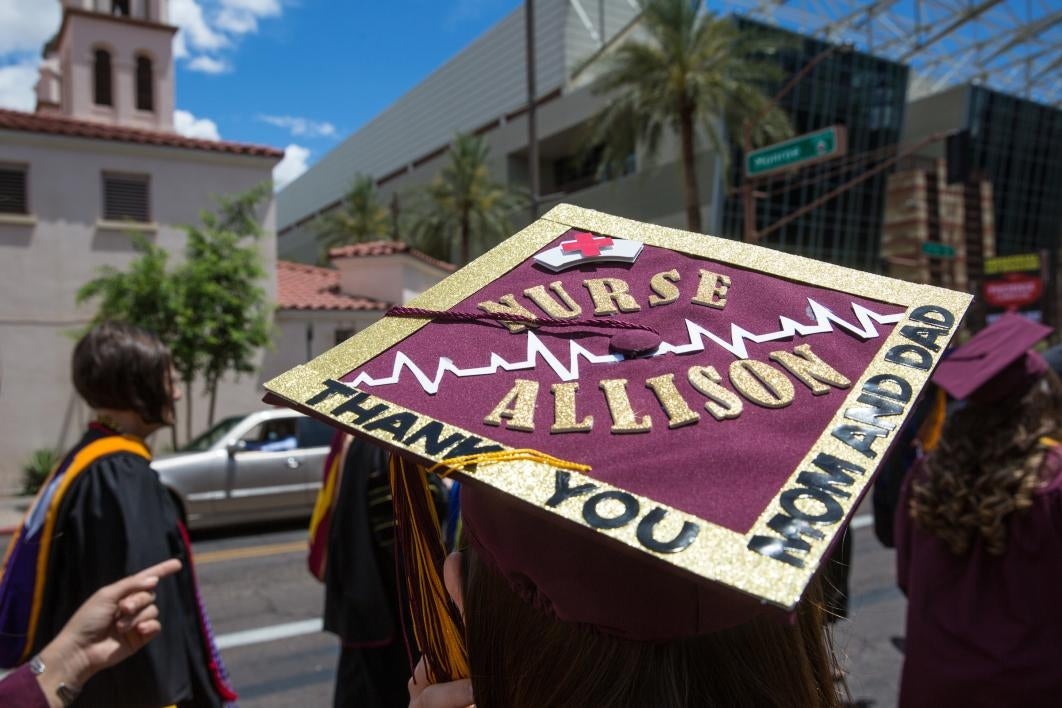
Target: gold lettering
{"x": 761, "y": 383}
{"x": 722, "y": 403}
{"x": 619, "y": 407}
{"x": 712, "y": 289}
{"x": 610, "y": 295}
{"x": 678, "y": 411}
{"x": 508, "y": 305}
{"x": 812, "y": 371}
{"x": 666, "y": 293}
{"x": 549, "y": 304}
{"x": 518, "y": 407}
{"x": 564, "y": 410}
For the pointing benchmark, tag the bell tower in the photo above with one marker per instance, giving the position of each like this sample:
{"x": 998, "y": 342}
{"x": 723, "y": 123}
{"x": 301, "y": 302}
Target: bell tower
{"x": 111, "y": 62}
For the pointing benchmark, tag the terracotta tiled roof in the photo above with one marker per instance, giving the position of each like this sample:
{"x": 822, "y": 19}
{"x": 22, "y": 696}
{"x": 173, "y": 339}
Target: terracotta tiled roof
{"x": 306, "y": 287}
{"x": 387, "y": 248}
{"x": 61, "y": 125}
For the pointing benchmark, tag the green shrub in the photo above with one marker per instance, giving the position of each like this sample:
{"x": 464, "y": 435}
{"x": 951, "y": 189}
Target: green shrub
{"x": 37, "y": 468}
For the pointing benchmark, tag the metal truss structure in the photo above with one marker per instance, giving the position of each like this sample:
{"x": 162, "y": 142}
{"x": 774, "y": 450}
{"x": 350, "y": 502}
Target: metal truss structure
{"x": 1013, "y": 46}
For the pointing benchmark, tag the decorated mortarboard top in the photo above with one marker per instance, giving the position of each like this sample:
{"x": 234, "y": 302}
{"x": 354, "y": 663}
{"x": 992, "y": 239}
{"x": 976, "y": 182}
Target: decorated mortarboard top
{"x": 722, "y": 406}
{"x": 994, "y": 362}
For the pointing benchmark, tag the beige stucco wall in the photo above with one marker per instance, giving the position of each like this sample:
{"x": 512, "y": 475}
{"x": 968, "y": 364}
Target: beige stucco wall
{"x": 44, "y": 262}
{"x": 124, "y": 40}
{"x": 396, "y": 279}
{"x": 299, "y": 336}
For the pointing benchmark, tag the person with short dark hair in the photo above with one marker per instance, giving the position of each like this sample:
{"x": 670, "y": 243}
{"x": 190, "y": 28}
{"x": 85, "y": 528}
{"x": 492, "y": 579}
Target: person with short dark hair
{"x": 103, "y": 514}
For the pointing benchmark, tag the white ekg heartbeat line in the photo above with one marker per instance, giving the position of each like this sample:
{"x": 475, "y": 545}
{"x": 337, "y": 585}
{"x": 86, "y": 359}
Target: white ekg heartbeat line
{"x": 824, "y": 321}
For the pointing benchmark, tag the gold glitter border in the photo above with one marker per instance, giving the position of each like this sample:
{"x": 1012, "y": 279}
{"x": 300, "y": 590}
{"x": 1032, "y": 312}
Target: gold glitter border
{"x": 717, "y": 553}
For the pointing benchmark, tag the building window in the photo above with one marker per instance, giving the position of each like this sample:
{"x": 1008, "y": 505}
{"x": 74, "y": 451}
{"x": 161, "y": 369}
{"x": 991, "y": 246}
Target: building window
{"x": 126, "y": 198}
{"x": 145, "y": 85}
{"x": 343, "y": 335}
{"x": 102, "y": 75}
{"x": 120, "y": 8}
{"x": 13, "y": 190}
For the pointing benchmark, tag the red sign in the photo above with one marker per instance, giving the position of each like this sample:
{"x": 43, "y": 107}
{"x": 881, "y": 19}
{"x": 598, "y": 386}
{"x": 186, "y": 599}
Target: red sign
{"x": 1013, "y": 290}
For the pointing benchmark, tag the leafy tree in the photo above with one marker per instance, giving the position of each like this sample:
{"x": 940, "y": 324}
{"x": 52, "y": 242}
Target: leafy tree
{"x": 211, "y": 310}
{"x": 692, "y": 71}
{"x": 360, "y": 217}
{"x": 223, "y": 304}
{"x": 463, "y": 201}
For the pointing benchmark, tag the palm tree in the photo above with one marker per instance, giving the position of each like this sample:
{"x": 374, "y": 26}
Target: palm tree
{"x": 463, "y": 200}
{"x": 691, "y": 70}
{"x": 360, "y": 217}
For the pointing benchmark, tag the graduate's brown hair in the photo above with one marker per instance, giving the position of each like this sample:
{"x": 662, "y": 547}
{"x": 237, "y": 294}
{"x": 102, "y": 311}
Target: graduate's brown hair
{"x": 523, "y": 657}
{"x": 987, "y": 466}
{"x": 123, "y": 367}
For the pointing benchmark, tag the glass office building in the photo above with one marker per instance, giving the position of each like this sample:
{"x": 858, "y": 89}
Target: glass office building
{"x": 865, "y": 94}
{"x": 1017, "y": 146}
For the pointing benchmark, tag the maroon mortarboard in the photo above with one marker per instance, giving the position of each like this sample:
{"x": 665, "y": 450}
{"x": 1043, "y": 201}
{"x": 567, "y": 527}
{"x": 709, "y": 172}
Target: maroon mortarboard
{"x": 658, "y": 433}
{"x": 995, "y": 362}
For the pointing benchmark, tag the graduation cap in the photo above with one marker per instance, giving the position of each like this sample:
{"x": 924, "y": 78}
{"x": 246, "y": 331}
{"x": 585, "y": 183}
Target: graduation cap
{"x": 996, "y": 362}
{"x": 658, "y": 433}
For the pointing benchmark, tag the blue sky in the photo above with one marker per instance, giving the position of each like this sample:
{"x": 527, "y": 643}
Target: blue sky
{"x": 296, "y": 74}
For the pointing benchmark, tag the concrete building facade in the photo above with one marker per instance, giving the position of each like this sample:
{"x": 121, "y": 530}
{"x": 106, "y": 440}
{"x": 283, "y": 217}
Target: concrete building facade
{"x": 76, "y": 180}
{"x": 483, "y": 90}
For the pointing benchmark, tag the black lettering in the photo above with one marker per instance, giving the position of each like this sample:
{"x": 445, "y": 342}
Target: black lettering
{"x": 332, "y": 388}
{"x": 353, "y": 405}
{"x": 680, "y": 542}
{"x": 880, "y": 385}
{"x": 877, "y": 407}
{"x": 831, "y": 513}
{"x": 775, "y": 548}
{"x": 431, "y": 432}
{"x": 397, "y": 425}
{"x": 933, "y": 315}
{"x": 835, "y": 471}
{"x": 910, "y": 355}
{"x": 592, "y": 517}
{"x": 926, "y": 336}
{"x": 859, "y": 437}
{"x": 562, "y": 489}
{"x": 471, "y": 446}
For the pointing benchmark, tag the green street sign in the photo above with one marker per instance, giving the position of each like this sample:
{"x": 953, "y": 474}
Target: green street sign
{"x": 797, "y": 152}
{"x": 938, "y": 250}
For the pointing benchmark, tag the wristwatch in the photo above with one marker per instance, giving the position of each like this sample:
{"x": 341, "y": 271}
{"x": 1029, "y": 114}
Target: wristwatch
{"x": 67, "y": 693}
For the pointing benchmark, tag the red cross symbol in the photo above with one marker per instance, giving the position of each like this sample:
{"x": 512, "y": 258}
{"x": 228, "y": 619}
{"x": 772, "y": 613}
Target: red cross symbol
{"x": 587, "y": 244}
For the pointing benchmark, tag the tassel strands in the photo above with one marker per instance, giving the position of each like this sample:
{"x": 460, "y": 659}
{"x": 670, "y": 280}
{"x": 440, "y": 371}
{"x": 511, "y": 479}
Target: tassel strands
{"x": 437, "y": 624}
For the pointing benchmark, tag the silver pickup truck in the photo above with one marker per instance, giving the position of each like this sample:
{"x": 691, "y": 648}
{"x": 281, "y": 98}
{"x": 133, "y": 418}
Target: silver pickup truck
{"x": 263, "y": 466}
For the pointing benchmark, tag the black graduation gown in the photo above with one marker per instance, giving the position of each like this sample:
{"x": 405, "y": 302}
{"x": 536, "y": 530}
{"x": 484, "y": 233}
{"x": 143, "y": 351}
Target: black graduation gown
{"x": 363, "y": 600}
{"x": 116, "y": 519}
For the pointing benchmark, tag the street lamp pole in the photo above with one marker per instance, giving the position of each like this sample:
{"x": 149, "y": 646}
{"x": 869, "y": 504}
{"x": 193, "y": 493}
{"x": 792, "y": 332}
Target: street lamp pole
{"x": 747, "y": 195}
{"x": 532, "y": 138}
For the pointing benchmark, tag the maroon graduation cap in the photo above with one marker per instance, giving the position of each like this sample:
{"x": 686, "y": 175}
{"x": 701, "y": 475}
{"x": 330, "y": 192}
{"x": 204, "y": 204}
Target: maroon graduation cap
{"x": 659, "y": 433}
{"x": 996, "y": 362}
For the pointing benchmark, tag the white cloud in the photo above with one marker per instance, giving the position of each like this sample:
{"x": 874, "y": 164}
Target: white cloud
{"x": 301, "y": 126}
{"x": 26, "y": 26}
{"x": 189, "y": 126}
{"x": 295, "y": 162}
{"x": 16, "y": 85}
{"x": 209, "y": 65}
{"x": 241, "y": 16}
{"x": 195, "y": 32}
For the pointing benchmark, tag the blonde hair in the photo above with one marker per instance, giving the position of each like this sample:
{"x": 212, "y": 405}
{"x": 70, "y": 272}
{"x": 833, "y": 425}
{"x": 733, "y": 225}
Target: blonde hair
{"x": 989, "y": 464}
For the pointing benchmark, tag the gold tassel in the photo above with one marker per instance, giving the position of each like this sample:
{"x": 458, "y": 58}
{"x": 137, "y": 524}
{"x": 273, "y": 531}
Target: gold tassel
{"x": 437, "y": 624}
